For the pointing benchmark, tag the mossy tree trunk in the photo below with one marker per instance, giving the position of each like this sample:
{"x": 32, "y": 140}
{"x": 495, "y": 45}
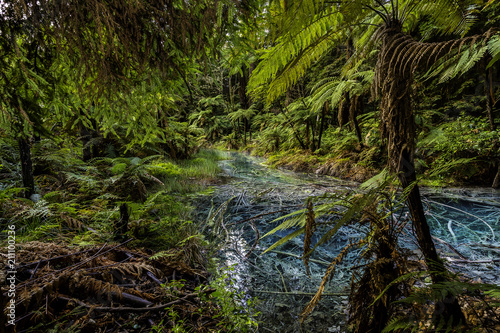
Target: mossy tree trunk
{"x": 343, "y": 113}
{"x": 244, "y": 101}
{"x": 398, "y": 129}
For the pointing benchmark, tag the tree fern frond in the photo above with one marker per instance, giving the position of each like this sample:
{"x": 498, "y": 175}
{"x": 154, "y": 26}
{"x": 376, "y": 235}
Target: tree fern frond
{"x": 494, "y": 50}
{"x": 286, "y": 62}
{"x": 355, "y": 208}
{"x": 468, "y": 59}
{"x": 291, "y": 220}
{"x": 475, "y": 57}
{"x": 450, "y": 16}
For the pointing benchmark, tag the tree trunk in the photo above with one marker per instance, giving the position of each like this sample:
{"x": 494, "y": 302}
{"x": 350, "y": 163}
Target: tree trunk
{"x": 26, "y": 167}
{"x": 324, "y": 111}
{"x": 447, "y": 310}
{"x": 89, "y": 149}
{"x": 488, "y": 87}
{"x": 398, "y": 128}
{"x": 245, "y": 125}
{"x": 308, "y": 139}
{"x": 356, "y": 104}
{"x": 121, "y": 225}
{"x": 343, "y": 114}
{"x": 244, "y": 101}
{"x": 496, "y": 181}
{"x": 301, "y": 143}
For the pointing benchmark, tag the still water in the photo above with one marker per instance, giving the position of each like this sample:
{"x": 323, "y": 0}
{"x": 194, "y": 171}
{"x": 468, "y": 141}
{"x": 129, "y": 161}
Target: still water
{"x": 242, "y": 210}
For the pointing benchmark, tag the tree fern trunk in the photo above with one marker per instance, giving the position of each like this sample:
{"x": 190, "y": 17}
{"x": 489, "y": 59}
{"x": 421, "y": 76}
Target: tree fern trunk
{"x": 26, "y": 167}
{"x": 343, "y": 114}
{"x": 489, "y": 98}
{"x": 398, "y": 129}
{"x": 447, "y": 309}
{"x": 121, "y": 226}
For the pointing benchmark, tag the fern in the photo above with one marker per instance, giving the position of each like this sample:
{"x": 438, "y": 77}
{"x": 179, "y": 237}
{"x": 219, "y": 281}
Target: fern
{"x": 450, "y": 166}
{"x": 494, "y": 50}
{"x": 41, "y": 209}
{"x": 401, "y": 323}
{"x": 294, "y": 53}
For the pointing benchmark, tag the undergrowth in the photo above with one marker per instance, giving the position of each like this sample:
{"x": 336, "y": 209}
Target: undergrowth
{"x": 78, "y": 202}
{"x": 81, "y": 204}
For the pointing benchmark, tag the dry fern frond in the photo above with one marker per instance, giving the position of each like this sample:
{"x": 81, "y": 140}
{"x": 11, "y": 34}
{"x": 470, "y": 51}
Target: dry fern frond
{"x": 331, "y": 268}
{"x": 137, "y": 269}
{"x": 71, "y": 222}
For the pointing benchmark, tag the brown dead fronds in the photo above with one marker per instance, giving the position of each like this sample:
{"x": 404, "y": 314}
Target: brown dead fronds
{"x": 102, "y": 288}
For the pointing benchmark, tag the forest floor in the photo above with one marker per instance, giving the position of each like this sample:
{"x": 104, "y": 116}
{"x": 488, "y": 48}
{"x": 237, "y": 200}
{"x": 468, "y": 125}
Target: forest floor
{"x": 108, "y": 288}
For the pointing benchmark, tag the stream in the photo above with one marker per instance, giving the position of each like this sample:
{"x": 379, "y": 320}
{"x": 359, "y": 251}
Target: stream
{"x": 252, "y": 196}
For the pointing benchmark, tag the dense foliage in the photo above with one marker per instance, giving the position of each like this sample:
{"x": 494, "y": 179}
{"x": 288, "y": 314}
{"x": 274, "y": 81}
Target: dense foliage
{"x": 105, "y": 107}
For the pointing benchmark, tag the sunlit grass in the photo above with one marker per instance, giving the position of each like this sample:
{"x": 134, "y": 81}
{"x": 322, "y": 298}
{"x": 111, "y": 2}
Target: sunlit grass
{"x": 195, "y": 173}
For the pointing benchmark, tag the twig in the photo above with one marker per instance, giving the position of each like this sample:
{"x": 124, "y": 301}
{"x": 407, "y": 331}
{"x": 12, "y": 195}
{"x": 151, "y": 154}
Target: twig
{"x": 34, "y": 272}
{"x": 132, "y": 299}
{"x": 451, "y": 247}
{"x": 321, "y": 262}
{"x": 260, "y": 215}
{"x": 54, "y": 258}
{"x": 451, "y": 231}
{"x": 73, "y": 267}
{"x": 256, "y": 239}
{"x": 294, "y": 293}
{"x": 472, "y": 261}
{"x": 132, "y": 309}
{"x": 282, "y": 279}
{"x": 153, "y": 277}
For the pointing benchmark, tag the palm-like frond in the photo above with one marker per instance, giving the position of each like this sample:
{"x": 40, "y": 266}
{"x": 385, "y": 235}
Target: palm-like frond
{"x": 494, "y": 49}
{"x": 304, "y": 43}
{"x": 285, "y": 63}
{"x": 242, "y": 113}
{"x": 333, "y": 89}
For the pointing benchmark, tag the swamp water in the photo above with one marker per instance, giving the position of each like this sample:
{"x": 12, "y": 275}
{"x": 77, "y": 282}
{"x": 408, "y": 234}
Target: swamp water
{"x": 245, "y": 208}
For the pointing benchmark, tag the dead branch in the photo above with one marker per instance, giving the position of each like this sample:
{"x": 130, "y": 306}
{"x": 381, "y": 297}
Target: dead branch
{"x": 132, "y": 309}
{"x": 450, "y": 247}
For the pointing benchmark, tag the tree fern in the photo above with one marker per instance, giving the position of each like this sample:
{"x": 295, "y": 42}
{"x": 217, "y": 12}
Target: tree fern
{"x": 294, "y": 53}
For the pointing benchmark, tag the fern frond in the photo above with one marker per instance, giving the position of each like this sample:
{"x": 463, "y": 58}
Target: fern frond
{"x": 284, "y": 239}
{"x": 447, "y": 167}
{"x": 400, "y": 324}
{"x": 494, "y": 50}
{"x": 286, "y": 62}
{"x": 329, "y": 271}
